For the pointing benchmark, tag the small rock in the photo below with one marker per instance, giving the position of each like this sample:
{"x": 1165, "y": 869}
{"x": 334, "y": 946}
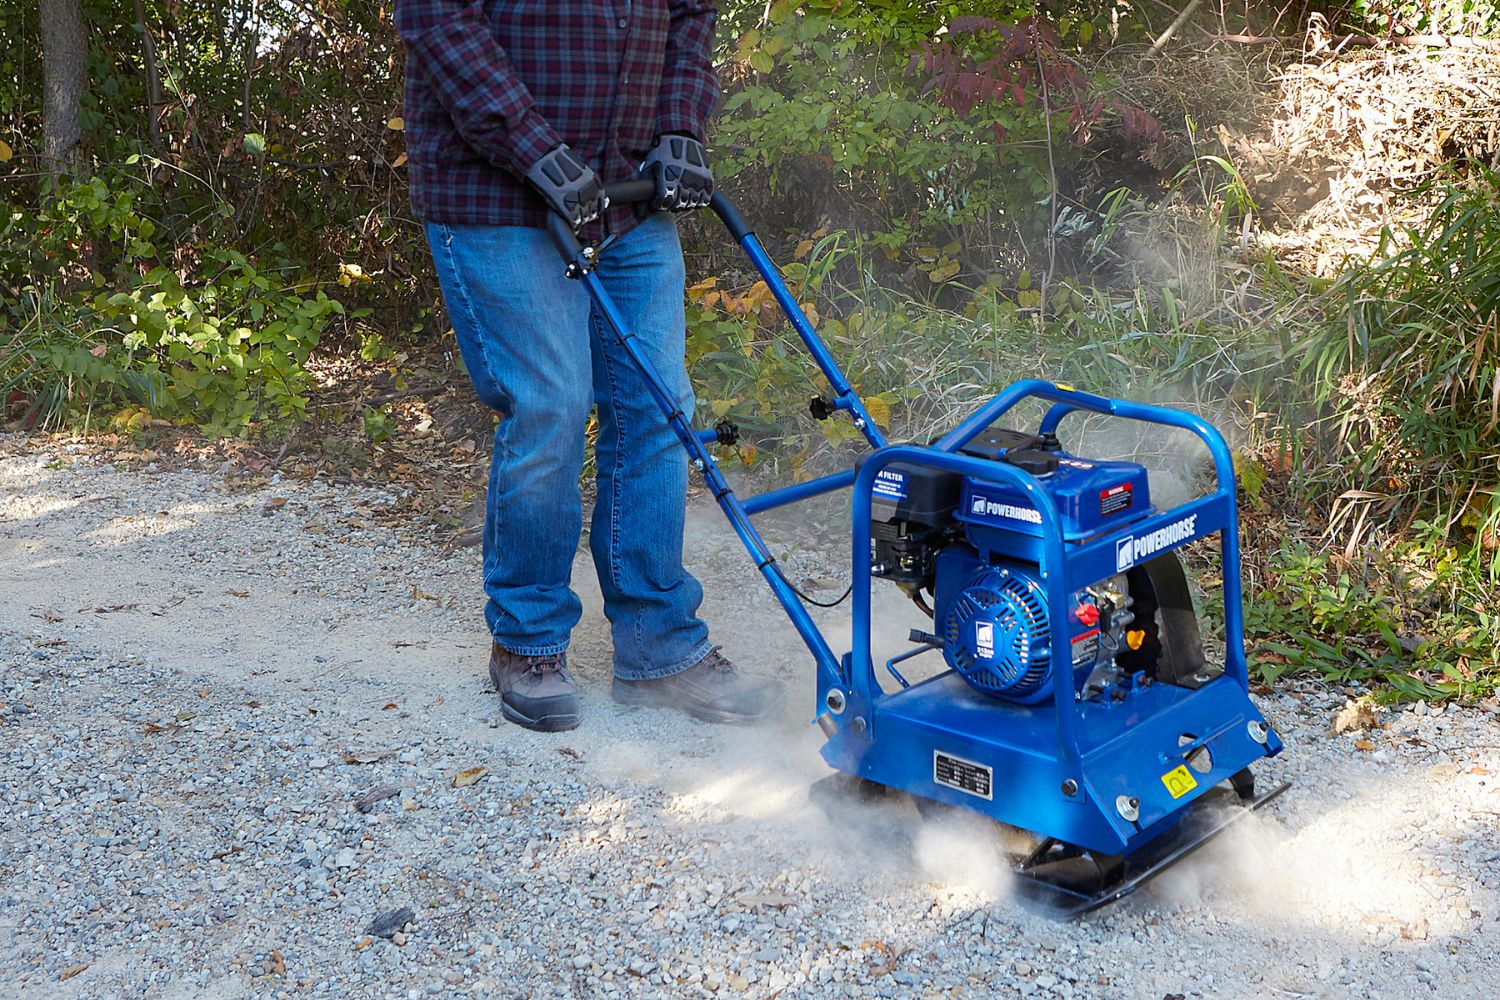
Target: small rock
{"x": 379, "y": 793}
{"x": 1357, "y": 714}
{"x": 389, "y": 923}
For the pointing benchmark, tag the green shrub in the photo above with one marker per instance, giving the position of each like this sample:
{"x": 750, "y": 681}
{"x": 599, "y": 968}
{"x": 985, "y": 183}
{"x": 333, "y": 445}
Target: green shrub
{"x": 1412, "y": 618}
{"x": 925, "y": 134}
{"x": 213, "y": 340}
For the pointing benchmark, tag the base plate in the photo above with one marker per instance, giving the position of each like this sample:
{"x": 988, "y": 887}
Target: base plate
{"x": 1068, "y": 883}
{"x": 1063, "y": 881}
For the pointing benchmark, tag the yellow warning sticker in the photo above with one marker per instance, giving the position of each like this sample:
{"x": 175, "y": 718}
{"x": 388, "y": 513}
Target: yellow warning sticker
{"x": 1179, "y": 781}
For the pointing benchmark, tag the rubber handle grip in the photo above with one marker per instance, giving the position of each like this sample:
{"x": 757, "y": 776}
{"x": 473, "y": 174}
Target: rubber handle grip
{"x": 634, "y": 192}
{"x": 631, "y": 192}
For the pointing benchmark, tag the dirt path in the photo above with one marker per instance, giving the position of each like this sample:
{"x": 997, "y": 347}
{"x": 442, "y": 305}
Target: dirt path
{"x": 198, "y": 682}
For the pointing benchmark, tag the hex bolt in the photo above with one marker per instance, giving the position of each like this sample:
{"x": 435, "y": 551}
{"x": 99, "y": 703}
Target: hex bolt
{"x": 1259, "y": 731}
{"x": 1129, "y": 807}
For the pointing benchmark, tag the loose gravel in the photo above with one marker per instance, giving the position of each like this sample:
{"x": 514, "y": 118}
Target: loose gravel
{"x": 241, "y": 731}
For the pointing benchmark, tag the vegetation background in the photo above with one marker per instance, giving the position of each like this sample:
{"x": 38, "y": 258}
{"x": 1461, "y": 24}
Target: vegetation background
{"x": 1284, "y": 217}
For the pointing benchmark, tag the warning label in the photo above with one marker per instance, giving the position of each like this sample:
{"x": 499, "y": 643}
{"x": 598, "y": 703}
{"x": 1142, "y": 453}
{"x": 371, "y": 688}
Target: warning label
{"x": 1116, "y": 499}
{"x": 1179, "y": 781}
{"x": 1086, "y": 648}
{"x": 964, "y": 775}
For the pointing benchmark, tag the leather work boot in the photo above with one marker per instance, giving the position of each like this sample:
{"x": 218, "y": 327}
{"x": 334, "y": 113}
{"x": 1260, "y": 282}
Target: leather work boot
{"x": 535, "y": 691}
{"x": 713, "y": 690}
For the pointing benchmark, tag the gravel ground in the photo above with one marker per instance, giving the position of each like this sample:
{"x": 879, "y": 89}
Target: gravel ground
{"x": 200, "y": 682}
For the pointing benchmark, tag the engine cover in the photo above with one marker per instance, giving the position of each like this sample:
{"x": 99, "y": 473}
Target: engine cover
{"x": 995, "y": 635}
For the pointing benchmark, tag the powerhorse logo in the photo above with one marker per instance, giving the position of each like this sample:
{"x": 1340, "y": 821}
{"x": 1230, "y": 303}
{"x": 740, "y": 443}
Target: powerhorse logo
{"x": 986, "y": 507}
{"x": 1133, "y": 548}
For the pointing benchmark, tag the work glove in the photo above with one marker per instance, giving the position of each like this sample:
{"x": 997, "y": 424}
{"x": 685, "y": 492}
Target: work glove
{"x": 679, "y": 166}
{"x": 571, "y": 187}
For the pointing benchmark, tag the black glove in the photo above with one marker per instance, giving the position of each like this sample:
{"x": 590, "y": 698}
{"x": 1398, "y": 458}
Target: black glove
{"x": 571, "y": 188}
{"x": 680, "y": 167}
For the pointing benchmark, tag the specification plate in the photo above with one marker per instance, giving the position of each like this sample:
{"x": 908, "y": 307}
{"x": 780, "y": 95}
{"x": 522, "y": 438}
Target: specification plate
{"x": 965, "y": 775}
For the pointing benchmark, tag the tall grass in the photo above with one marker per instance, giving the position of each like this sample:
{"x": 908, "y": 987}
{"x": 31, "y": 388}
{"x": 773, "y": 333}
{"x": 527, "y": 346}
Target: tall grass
{"x": 1408, "y": 363}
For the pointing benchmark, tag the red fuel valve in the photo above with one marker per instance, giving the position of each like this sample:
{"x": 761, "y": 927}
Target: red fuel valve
{"x": 1088, "y": 614}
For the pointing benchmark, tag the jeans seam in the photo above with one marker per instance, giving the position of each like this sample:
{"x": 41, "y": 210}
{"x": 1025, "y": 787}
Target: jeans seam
{"x": 462, "y": 287}
{"x": 615, "y": 568}
{"x": 492, "y": 510}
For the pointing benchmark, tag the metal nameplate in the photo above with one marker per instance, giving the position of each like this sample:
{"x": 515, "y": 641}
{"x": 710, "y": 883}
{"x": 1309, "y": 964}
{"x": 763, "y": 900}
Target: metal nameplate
{"x": 969, "y": 777}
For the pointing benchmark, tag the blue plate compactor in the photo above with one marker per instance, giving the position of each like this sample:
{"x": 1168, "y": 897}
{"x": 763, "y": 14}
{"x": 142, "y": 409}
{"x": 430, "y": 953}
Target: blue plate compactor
{"x": 1078, "y": 704}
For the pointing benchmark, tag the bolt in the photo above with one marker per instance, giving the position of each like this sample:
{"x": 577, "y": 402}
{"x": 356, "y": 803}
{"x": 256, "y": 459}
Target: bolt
{"x": 1259, "y": 731}
{"x": 859, "y": 725}
{"x": 698, "y": 465}
{"x": 859, "y": 422}
{"x": 1070, "y": 788}
{"x": 836, "y": 701}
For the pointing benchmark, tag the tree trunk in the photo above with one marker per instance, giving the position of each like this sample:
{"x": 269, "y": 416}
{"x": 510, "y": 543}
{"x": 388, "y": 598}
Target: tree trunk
{"x": 64, "y": 64}
{"x": 153, "y": 79}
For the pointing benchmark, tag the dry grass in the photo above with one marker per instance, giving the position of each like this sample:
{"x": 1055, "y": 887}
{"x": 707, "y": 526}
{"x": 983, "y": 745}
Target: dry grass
{"x": 1352, "y": 135}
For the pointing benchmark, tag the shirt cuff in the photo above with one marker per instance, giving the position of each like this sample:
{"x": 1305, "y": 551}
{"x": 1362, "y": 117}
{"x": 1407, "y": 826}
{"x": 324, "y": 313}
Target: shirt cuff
{"x": 680, "y": 121}
{"x": 528, "y": 141}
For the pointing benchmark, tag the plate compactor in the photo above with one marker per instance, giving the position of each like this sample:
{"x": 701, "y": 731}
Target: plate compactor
{"x": 1078, "y": 705}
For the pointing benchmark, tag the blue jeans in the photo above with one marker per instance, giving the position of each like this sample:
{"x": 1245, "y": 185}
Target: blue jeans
{"x": 542, "y": 357}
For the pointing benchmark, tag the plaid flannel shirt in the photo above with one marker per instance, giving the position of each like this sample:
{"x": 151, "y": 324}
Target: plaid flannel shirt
{"x": 492, "y": 85}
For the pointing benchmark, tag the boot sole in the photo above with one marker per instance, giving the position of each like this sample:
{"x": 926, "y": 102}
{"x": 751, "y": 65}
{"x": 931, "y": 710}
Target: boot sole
{"x": 546, "y": 724}
{"x": 647, "y": 697}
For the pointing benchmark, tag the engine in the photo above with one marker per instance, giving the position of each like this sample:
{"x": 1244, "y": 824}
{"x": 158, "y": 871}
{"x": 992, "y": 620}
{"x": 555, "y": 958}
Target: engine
{"x": 968, "y": 552}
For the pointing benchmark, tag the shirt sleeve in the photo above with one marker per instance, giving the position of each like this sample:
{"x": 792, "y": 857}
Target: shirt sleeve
{"x": 689, "y": 86}
{"x": 451, "y": 43}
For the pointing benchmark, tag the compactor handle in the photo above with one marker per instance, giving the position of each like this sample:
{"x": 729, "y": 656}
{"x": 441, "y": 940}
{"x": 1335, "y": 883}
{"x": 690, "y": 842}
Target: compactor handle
{"x": 637, "y": 191}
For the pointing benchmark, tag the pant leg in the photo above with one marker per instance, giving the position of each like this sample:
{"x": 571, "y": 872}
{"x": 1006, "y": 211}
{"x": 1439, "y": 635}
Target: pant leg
{"x": 636, "y": 538}
{"x": 523, "y": 330}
